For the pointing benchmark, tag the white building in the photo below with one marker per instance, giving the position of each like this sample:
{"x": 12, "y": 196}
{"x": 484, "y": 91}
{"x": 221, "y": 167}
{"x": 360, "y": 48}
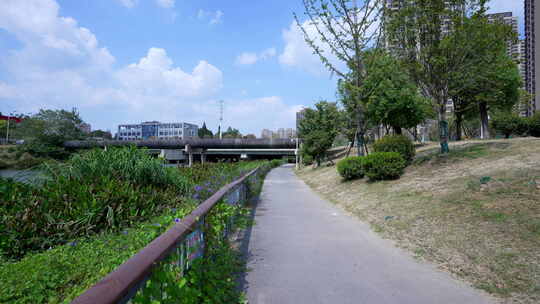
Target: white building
{"x": 157, "y": 131}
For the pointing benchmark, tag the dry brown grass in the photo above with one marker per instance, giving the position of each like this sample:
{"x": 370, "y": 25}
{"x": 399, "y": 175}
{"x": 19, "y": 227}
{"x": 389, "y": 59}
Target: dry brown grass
{"x": 475, "y": 213}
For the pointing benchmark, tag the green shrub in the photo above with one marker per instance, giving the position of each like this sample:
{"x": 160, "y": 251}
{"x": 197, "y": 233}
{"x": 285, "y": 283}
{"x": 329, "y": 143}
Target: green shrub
{"x": 307, "y": 159}
{"x": 509, "y": 124}
{"x": 534, "y": 125}
{"x": 396, "y": 143}
{"x": 384, "y": 165}
{"x": 276, "y": 163}
{"x": 92, "y": 192}
{"x": 351, "y": 167}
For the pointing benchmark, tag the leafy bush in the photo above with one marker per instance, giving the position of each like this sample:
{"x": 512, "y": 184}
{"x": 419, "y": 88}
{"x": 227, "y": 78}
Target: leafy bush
{"x": 43, "y": 150}
{"x": 396, "y": 143}
{"x": 384, "y": 165}
{"x": 351, "y": 167}
{"x": 307, "y": 159}
{"x": 60, "y": 274}
{"x": 509, "y": 124}
{"x": 276, "y": 163}
{"x": 91, "y": 192}
{"x": 534, "y": 125}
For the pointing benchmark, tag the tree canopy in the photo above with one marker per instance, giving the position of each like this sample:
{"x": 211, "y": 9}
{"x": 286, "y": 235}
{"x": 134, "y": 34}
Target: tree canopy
{"x": 204, "y": 132}
{"x": 318, "y": 129}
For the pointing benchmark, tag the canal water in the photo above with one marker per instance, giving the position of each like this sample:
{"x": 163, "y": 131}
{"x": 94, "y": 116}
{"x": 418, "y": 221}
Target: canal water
{"x": 26, "y": 176}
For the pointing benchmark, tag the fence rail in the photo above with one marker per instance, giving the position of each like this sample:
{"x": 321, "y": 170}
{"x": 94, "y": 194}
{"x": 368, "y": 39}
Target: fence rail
{"x": 175, "y": 250}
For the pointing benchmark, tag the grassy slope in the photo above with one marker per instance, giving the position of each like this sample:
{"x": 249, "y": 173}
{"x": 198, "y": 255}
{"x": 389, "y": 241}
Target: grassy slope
{"x": 475, "y": 213}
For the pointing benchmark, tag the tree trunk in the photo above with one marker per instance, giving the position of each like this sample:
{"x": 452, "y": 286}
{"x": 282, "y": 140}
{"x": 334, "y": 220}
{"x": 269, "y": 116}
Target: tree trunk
{"x": 484, "y": 120}
{"x": 350, "y": 147}
{"x": 443, "y": 127}
{"x": 360, "y": 142}
{"x": 398, "y": 130}
{"x": 459, "y": 125}
{"x": 360, "y": 132}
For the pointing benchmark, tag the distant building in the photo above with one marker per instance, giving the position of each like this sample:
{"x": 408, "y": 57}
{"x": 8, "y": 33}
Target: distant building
{"x": 267, "y": 134}
{"x": 86, "y": 128}
{"x": 507, "y": 18}
{"x": 299, "y": 116}
{"x": 530, "y": 48}
{"x": 281, "y": 133}
{"x": 157, "y": 130}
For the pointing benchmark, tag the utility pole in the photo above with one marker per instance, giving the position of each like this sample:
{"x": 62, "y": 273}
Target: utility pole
{"x": 220, "y": 118}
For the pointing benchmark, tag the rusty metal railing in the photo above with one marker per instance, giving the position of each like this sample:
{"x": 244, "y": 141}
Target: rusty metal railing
{"x": 176, "y": 249}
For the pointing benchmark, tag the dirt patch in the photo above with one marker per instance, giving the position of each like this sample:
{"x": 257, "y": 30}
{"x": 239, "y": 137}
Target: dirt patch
{"x": 475, "y": 213}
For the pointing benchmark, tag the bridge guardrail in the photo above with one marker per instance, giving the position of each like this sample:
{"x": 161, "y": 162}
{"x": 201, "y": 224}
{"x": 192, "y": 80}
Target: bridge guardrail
{"x": 170, "y": 254}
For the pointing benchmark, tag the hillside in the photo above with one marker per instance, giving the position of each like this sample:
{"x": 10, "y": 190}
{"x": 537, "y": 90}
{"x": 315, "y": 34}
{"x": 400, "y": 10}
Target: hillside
{"x": 475, "y": 212}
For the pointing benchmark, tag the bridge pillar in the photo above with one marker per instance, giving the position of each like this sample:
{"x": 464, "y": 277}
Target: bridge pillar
{"x": 203, "y": 157}
{"x": 190, "y": 155}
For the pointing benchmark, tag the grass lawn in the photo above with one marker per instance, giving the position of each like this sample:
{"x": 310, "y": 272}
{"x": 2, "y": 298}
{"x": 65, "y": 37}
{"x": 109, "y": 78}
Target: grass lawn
{"x": 474, "y": 212}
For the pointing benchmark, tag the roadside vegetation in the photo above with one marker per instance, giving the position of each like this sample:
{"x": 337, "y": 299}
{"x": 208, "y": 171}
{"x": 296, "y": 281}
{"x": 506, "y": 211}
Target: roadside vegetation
{"x": 473, "y": 212}
{"x": 88, "y": 214}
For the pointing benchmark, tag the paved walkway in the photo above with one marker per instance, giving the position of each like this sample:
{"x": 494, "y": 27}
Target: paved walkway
{"x": 305, "y": 250}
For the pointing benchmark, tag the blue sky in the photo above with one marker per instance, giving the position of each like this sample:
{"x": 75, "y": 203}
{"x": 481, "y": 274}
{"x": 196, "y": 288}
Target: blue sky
{"x": 127, "y": 61}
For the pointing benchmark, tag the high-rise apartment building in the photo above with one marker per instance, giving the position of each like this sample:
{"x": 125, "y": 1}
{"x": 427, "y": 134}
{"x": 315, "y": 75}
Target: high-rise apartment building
{"x": 508, "y": 19}
{"x": 299, "y": 116}
{"x": 515, "y": 49}
{"x": 267, "y": 134}
{"x": 157, "y": 130}
{"x": 531, "y": 27}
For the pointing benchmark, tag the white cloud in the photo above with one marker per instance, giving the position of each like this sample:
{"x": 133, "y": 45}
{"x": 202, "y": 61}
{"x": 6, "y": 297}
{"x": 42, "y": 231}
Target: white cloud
{"x": 62, "y": 65}
{"x": 218, "y": 17}
{"x": 154, "y": 75}
{"x": 212, "y": 17}
{"x": 248, "y": 58}
{"x": 128, "y": 3}
{"x": 166, "y": 3}
{"x": 297, "y": 53}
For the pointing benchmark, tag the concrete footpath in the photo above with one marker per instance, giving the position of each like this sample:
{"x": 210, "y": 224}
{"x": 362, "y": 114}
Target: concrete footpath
{"x": 303, "y": 249}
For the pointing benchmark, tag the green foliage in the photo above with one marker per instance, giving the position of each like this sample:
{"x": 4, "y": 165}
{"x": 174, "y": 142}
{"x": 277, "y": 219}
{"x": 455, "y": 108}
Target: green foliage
{"x": 204, "y": 132}
{"x": 101, "y": 134}
{"x": 232, "y": 133}
{"x": 390, "y": 96}
{"x": 318, "y": 129}
{"x": 351, "y": 167}
{"x": 396, "y": 143}
{"x": 42, "y": 150}
{"x": 384, "y": 165}
{"x": 534, "y": 125}
{"x": 51, "y": 127}
{"x": 306, "y": 159}
{"x": 509, "y": 123}
{"x": 60, "y": 274}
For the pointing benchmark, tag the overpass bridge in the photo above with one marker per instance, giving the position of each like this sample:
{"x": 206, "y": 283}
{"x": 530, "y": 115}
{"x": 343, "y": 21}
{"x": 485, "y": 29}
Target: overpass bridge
{"x": 200, "y": 149}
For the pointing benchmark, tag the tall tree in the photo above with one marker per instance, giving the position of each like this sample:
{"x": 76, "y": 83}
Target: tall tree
{"x": 343, "y": 30}
{"x": 232, "y": 133}
{"x": 417, "y": 32}
{"x": 318, "y": 129}
{"x": 391, "y": 97}
{"x": 204, "y": 132}
{"x": 488, "y": 79}
{"x": 52, "y": 127}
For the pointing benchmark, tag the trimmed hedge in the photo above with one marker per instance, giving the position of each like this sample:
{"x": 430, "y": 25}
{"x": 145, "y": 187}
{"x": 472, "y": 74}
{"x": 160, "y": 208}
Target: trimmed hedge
{"x": 384, "y": 165}
{"x": 396, "y": 143}
{"x": 351, "y": 167}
